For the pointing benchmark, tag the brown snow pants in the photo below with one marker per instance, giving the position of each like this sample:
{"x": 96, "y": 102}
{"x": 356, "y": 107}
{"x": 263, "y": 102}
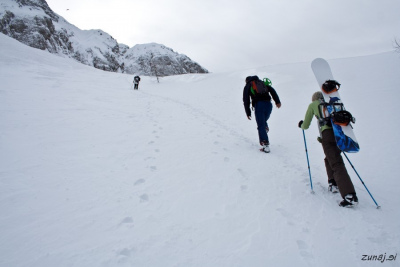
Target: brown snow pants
{"x": 334, "y": 164}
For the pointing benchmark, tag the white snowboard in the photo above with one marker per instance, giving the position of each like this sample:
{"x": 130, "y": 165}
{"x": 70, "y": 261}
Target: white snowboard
{"x": 344, "y": 135}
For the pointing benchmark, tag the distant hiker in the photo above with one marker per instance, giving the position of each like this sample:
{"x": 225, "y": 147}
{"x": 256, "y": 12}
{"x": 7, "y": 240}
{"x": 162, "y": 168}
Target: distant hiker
{"x": 338, "y": 178}
{"x": 136, "y": 81}
{"x": 259, "y": 95}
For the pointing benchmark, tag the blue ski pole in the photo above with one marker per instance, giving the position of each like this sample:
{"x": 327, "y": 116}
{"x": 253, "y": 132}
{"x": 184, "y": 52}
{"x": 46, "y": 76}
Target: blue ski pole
{"x": 308, "y": 162}
{"x": 377, "y": 206}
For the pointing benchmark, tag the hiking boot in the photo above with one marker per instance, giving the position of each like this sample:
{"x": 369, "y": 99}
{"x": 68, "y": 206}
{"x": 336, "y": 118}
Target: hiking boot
{"x": 333, "y": 188}
{"x": 350, "y": 200}
{"x": 265, "y": 147}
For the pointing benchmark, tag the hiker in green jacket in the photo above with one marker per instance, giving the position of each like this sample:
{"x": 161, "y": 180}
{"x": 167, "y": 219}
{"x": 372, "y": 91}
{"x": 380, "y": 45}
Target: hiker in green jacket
{"x": 338, "y": 178}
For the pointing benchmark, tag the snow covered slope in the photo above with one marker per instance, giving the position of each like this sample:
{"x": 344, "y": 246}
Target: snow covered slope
{"x": 33, "y": 23}
{"x": 93, "y": 173}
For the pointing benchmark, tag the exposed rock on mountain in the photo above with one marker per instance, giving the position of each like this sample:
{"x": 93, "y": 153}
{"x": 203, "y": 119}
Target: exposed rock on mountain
{"x": 33, "y": 23}
{"x": 156, "y": 59}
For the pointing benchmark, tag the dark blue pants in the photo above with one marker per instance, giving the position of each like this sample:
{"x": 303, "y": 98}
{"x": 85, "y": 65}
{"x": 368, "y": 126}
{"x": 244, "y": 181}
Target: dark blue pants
{"x": 262, "y": 111}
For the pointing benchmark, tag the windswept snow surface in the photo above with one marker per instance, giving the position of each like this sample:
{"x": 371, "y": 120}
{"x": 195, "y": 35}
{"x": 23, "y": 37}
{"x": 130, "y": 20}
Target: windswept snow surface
{"x": 93, "y": 173}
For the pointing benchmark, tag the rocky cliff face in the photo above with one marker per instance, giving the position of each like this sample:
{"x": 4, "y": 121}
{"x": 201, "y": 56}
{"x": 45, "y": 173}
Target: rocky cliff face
{"x": 33, "y": 23}
{"x": 156, "y": 59}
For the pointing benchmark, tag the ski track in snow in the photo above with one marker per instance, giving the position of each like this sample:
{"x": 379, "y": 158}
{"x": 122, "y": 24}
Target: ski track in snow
{"x": 94, "y": 173}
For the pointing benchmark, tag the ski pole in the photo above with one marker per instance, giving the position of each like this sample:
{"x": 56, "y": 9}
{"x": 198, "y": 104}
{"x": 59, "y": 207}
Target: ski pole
{"x": 377, "y": 206}
{"x": 308, "y": 162}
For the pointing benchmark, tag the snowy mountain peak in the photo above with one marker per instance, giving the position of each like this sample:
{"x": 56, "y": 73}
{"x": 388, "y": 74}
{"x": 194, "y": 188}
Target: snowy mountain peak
{"x": 153, "y": 46}
{"x": 37, "y": 6}
{"x": 150, "y": 56}
{"x": 33, "y": 23}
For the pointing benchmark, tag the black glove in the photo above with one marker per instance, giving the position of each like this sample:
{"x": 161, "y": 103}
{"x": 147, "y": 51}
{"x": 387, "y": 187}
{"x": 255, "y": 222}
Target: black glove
{"x": 300, "y": 123}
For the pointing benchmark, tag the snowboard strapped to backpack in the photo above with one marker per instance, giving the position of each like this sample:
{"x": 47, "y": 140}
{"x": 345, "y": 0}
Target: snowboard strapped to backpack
{"x": 338, "y": 114}
{"x": 344, "y": 135}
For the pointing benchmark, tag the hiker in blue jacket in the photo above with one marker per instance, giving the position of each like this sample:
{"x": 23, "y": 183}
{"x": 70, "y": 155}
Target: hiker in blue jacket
{"x": 262, "y": 109}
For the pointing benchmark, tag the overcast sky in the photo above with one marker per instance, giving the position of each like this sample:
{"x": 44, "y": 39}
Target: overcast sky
{"x": 225, "y": 35}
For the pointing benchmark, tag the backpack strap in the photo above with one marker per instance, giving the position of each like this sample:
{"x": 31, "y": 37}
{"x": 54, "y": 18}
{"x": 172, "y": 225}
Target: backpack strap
{"x": 324, "y": 116}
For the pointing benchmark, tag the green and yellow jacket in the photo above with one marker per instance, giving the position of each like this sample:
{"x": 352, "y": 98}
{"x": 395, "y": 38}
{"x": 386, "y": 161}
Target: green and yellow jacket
{"x": 313, "y": 110}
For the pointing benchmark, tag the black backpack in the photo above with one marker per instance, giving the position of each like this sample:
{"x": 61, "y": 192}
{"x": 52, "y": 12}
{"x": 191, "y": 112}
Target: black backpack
{"x": 258, "y": 87}
{"x": 339, "y": 115}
